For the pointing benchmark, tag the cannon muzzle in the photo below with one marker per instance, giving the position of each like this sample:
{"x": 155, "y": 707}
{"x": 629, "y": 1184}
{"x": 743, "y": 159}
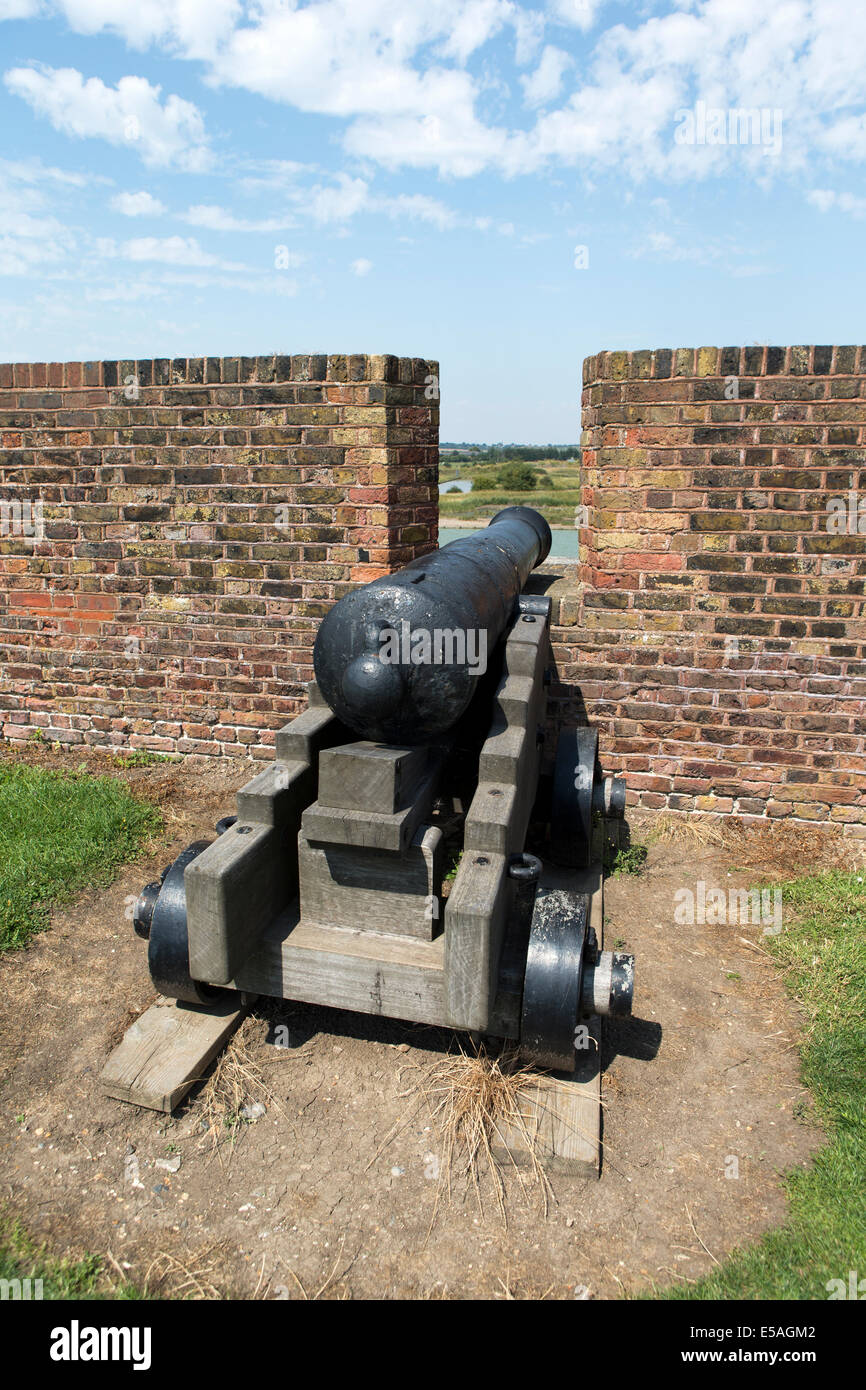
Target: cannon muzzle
{"x": 398, "y": 660}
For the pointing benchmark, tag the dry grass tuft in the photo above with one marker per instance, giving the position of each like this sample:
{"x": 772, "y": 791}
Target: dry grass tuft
{"x": 792, "y": 848}
{"x": 236, "y": 1081}
{"x": 788, "y": 847}
{"x": 667, "y": 828}
{"x": 193, "y": 1277}
{"x": 512, "y": 1293}
{"x": 476, "y": 1098}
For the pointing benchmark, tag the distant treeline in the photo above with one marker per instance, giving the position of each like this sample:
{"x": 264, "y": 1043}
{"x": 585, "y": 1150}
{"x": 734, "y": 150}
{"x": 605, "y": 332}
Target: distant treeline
{"x": 506, "y": 453}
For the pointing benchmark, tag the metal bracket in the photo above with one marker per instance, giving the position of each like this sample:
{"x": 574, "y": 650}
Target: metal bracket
{"x": 534, "y": 605}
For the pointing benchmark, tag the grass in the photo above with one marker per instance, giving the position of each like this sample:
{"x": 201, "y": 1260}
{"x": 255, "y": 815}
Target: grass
{"x": 822, "y": 952}
{"x": 556, "y": 497}
{"x": 60, "y": 831}
{"x": 555, "y": 504}
{"x": 64, "y": 1279}
{"x": 768, "y": 845}
{"x": 629, "y": 859}
{"x": 236, "y": 1081}
{"x": 140, "y": 757}
{"x": 475, "y": 1099}
{"x": 193, "y": 1276}
{"x": 453, "y": 866}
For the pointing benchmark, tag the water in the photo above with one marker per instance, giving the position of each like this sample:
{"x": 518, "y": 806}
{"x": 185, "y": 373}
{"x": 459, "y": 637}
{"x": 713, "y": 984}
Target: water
{"x": 565, "y": 541}
{"x": 458, "y": 484}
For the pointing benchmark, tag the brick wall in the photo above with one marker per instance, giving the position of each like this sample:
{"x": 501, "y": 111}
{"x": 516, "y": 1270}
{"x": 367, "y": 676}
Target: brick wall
{"x": 197, "y": 519}
{"x": 717, "y": 635}
{"x": 199, "y": 516}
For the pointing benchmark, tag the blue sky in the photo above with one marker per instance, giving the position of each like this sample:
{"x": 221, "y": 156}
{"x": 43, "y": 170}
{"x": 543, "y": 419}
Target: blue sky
{"x": 507, "y": 187}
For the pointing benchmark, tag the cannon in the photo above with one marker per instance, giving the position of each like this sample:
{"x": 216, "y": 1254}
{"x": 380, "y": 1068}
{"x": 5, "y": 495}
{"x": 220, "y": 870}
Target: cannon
{"x": 410, "y": 852}
{"x": 439, "y": 617}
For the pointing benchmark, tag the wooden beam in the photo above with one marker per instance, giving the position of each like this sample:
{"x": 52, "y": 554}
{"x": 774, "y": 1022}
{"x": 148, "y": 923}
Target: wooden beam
{"x": 396, "y": 976}
{"x": 165, "y": 1051}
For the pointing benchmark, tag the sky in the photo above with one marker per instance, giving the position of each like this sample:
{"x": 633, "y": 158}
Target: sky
{"x": 505, "y": 187}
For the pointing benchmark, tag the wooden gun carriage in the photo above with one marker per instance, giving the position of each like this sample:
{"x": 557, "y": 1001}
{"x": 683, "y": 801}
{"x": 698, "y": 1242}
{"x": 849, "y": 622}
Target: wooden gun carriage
{"x": 382, "y": 863}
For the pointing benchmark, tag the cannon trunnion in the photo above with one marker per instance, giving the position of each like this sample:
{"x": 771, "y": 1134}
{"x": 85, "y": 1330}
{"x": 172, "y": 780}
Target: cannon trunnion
{"x": 382, "y": 862}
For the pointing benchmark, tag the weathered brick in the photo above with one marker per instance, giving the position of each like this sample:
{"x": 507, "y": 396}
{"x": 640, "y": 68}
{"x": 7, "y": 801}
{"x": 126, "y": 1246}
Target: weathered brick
{"x": 706, "y": 555}
{"x": 176, "y": 541}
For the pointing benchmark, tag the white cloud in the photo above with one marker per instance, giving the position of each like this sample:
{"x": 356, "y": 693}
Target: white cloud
{"x": 543, "y": 85}
{"x": 528, "y": 35}
{"x": 337, "y": 202}
{"x": 274, "y": 173}
{"x": 131, "y": 114}
{"x": 183, "y": 261}
{"x": 137, "y": 205}
{"x": 166, "y": 286}
{"x": 845, "y": 138}
{"x": 246, "y": 280}
{"x": 419, "y": 207}
{"x": 821, "y": 198}
{"x": 19, "y": 9}
{"x": 171, "y": 250}
{"x": 824, "y": 199}
{"x": 33, "y": 171}
{"x": 29, "y": 243}
{"x": 348, "y": 57}
{"x": 361, "y": 266}
{"x": 581, "y": 14}
{"x": 124, "y": 291}
{"x": 218, "y": 219}
{"x": 32, "y": 238}
{"x": 194, "y": 28}
{"x": 456, "y": 144}
{"x": 473, "y": 23}
{"x": 685, "y": 244}
{"x": 417, "y": 86}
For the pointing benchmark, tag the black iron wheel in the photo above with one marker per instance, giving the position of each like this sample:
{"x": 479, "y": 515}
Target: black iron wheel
{"x": 168, "y": 939}
{"x": 574, "y": 778}
{"x": 553, "y": 983}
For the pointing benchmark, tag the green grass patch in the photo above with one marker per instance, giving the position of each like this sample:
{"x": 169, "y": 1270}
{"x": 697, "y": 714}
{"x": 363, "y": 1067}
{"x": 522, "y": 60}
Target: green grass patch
{"x": 628, "y": 860}
{"x": 453, "y": 866}
{"x": 87, "y": 1278}
{"x": 822, "y": 951}
{"x": 60, "y": 831}
{"x": 555, "y": 504}
{"x": 140, "y": 757}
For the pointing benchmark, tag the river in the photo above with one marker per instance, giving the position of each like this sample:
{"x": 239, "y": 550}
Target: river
{"x": 565, "y": 539}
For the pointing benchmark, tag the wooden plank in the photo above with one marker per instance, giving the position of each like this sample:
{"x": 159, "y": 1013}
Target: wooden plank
{"x": 475, "y": 920}
{"x": 492, "y": 818}
{"x": 165, "y": 1051}
{"x": 277, "y": 795}
{"x": 398, "y": 977}
{"x": 239, "y": 884}
{"x": 303, "y": 738}
{"x": 562, "y": 1113}
{"x": 476, "y": 913}
{"x": 234, "y": 889}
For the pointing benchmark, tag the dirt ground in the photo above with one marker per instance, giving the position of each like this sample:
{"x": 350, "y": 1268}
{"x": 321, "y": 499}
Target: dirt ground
{"x": 336, "y": 1191}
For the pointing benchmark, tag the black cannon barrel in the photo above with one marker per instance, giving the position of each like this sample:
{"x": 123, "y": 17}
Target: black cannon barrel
{"x": 397, "y": 660}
